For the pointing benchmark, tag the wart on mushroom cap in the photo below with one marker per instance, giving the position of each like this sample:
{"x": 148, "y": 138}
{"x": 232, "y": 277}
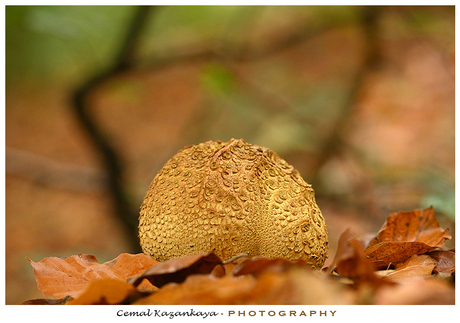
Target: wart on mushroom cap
{"x": 231, "y": 198}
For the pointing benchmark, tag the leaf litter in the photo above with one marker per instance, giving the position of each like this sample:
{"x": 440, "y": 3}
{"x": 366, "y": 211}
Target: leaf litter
{"x": 402, "y": 264}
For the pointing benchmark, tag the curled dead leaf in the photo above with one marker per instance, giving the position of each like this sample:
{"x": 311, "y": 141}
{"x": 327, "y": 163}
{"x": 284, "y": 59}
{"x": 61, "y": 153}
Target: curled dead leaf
{"x": 344, "y": 250}
{"x": 60, "y": 277}
{"x": 405, "y": 234}
{"x": 201, "y": 290}
{"x": 47, "y": 301}
{"x": 257, "y": 265}
{"x": 418, "y": 225}
{"x": 416, "y": 267}
{"x": 446, "y": 261}
{"x": 105, "y": 292}
{"x": 350, "y": 262}
{"x": 176, "y": 270}
{"x": 295, "y": 285}
{"x": 420, "y": 292}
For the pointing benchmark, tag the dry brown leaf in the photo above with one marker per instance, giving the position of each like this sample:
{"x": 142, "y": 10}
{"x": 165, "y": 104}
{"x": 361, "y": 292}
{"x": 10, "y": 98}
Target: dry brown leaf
{"x": 356, "y": 267}
{"x": 201, "y": 290}
{"x": 417, "y": 267}
{"x": 230, "y": 266}
{"x": 446, "y": 261}
{"x": 297, "y": 286}
{"x": 59, "y": 277}
{"x": 177, "y": 269}
{"x": 105, "y": 292}
{"x": 349, "y": 261}
{"x": 385, "y": 254}
{"x": 293, "y": 286}
{"x": 47, "y": 301}
{"x": 405, "y": 234}
{"x": 421, "y": 292}
{"x": 344, "y": 250}
{"x": 257, "y": 265}
{"x": 418, "y": 225}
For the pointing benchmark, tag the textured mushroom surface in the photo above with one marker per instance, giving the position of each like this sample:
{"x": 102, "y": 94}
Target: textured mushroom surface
{"x": 231, "y": 198}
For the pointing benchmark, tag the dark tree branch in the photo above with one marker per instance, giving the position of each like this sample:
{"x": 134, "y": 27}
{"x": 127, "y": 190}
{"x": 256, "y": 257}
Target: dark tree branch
{"x": 371, "y": 60}
{"x": 126, "y": 213}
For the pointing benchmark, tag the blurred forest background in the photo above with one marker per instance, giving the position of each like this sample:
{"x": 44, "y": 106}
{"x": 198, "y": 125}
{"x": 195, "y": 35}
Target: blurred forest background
{"x": 359, "y": 99}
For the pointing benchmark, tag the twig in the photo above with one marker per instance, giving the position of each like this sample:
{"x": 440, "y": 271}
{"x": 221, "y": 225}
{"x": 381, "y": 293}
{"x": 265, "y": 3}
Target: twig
{"x": 124, "y": 211}
{"x": 51, "y": 173}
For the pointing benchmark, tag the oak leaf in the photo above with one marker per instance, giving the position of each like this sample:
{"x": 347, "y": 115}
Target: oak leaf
{"x": 59, "y": 277}
{"x": 405, "y": 234}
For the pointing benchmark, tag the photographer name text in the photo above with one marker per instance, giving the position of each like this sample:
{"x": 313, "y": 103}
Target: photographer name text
{"x": 229, "y": 313}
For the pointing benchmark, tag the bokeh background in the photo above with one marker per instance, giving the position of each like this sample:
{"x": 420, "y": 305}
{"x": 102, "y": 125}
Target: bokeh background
{"x": 359, "y": 99}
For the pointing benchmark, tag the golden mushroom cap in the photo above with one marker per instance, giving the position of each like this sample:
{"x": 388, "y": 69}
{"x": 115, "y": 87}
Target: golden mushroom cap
{"x": 231, "y": 198}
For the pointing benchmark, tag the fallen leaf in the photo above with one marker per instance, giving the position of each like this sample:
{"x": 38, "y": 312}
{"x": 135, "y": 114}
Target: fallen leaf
{"x": 230, "y": 266}
{"x": 294, "y": 286}
{"x": 105, "y": 292}
{"x": 59, "y": 277}
{"x": 202, "y": 290}
{"x": 418, "y": 225}
{"x": 446, "y": 261}
{"x": 177, "y": 269}
{"x": 416, "y": 267}
{"x": 420, "y": 292}
{"x": 353, "y": 265}
{"x": 257, "y": 265}
{"x": 404, "y": 234}
{"x": 47, "y": 301}
{"x": 298, "y": 286}
{"x": 350, "y": 263}
{"x": 385, "y": 254}
{"x": 146, "y": 287}
{"x": 344, "y": 250}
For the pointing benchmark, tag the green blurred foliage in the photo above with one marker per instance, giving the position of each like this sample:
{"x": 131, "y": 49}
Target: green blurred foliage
{"x": 218, "y": 79}
{"x": 61, "y": 43}
{"x": 440, "y": 192}
{"x": 56, "y": 43}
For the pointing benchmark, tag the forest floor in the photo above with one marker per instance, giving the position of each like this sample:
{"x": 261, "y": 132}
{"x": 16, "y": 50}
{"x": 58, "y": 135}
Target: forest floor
{"x": 56, "y": 205}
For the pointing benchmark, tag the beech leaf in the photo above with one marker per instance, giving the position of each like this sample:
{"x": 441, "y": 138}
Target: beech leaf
{"x": 416, "y": 267}
{"x": 420, "y": 292}
{"x": 296, "y": 285}
{"x": 104, "y": 292}
{"x": 47, "y": 301}
{"x": 256, "y": 265}
{"x": 405, "y": 234}
{"x": 177, "y": 269}
{"x": 344, "y": 250}
{"x": 59, "y": 277}
{"x": 446, "y": 261}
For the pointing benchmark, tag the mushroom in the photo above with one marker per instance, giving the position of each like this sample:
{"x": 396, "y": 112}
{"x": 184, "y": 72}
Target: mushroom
{"x": 231, "y": 198}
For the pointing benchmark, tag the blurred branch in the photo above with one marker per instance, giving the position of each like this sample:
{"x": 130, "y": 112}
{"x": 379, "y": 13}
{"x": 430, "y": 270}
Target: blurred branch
{"x": 237, "y": 53}
{"x": 372, "y": 58}
{"x": 126, "y": 213}
{"x": 49, "y": 172}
